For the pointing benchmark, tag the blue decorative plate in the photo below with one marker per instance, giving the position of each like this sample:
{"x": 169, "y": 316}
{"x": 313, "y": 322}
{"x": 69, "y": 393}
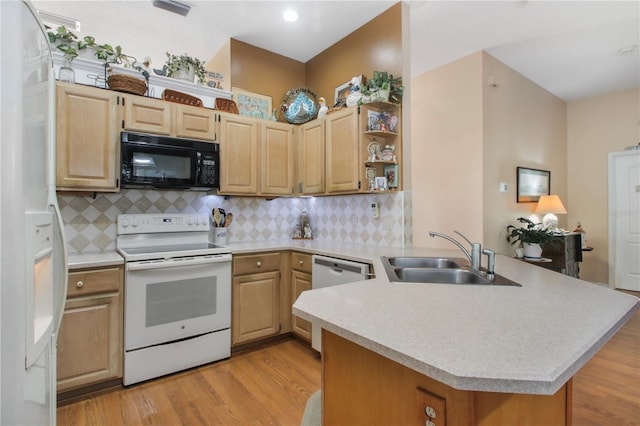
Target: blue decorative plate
{"x": 299, "y": 105}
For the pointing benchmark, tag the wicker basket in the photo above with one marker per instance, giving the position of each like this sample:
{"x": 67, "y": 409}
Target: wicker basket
{"x": 127, "y": 84}
{"x": 180, "y": 98}
{"x": 226, "y": 105}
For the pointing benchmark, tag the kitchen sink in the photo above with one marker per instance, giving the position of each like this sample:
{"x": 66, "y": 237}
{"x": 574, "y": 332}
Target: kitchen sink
{"x": 437, "y": 270}
{"x": 424, "y": 262}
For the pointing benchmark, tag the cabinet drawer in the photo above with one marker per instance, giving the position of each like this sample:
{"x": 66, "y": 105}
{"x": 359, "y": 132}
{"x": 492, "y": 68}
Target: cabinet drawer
{"x": 95, "y": 281}
{"x": 254, "y": 263}
{"x": 301, "y": 262}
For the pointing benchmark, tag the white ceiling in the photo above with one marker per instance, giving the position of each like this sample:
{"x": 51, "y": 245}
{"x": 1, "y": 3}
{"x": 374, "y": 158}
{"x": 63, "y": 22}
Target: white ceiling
{"x": 568, "y": 47}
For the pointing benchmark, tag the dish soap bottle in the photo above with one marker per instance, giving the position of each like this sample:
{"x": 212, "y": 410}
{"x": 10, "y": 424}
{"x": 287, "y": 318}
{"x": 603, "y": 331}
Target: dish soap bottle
{"x": 583, "y": 235}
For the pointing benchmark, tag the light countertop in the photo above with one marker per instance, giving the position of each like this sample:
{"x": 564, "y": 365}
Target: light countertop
{"x": 528, "y": 339}
{"x": 94, "y": 260}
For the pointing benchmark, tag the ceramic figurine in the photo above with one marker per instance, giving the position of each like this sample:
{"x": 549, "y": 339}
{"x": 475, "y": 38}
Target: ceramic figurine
{"x": 355, "y": 94}
{"x": 323, "y": 108}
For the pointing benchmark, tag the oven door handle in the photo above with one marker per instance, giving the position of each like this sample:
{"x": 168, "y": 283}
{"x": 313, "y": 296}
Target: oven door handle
{"x": 177, "y": 262}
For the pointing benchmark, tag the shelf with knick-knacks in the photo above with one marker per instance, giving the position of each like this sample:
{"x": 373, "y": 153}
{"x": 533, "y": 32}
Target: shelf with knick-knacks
{"x": 381, "y": 144}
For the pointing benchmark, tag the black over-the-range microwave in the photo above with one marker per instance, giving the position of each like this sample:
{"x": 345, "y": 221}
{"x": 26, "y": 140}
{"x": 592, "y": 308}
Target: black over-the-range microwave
{"x": 168, "y": 163}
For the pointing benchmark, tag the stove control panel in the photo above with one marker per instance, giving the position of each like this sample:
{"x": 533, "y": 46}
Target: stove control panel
{"x": 162, "y": 222}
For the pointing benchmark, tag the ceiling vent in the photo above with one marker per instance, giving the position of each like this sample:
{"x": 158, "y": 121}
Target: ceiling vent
{"x": 173, "y": 6}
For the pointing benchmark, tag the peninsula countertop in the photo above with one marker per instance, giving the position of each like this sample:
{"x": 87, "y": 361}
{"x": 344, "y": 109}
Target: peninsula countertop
{"x": 529, "y": 339}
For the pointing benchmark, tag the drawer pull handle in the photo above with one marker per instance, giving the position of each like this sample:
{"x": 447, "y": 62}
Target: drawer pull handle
{"x": 302, "y": 262}
{"x": 79, "y": 284}
{"x": 258, "y": 264}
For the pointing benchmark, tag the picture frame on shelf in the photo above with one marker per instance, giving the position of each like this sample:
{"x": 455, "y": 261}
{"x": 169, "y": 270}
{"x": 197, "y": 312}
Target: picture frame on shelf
{"x": 532, "y": 184}
{"x": 381, "y": 183}
{"x": 252, "y": 104}
{"x": 391, "y": 174}
{"x": 341, "y": 92}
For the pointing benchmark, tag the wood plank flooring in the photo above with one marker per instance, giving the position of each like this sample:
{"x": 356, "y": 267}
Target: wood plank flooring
{"x": 271, "y": 384}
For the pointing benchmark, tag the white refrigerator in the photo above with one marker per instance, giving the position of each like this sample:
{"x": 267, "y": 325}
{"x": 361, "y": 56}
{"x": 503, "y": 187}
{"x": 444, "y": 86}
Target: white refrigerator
{"x": 32, "y": 247}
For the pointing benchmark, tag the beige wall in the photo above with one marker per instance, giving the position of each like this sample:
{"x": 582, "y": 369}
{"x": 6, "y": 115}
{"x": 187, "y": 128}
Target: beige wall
{"x": 597, "y": 126}
{"x": 523, "y": 125}
{"x": 446, "y": 151}
{"x": 377, "y": 45}
{"x": 468, "y": 136}
{"x": 221, "y": 63}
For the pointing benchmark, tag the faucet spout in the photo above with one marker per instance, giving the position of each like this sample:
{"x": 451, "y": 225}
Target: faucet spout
{"x": 454, "y": 241}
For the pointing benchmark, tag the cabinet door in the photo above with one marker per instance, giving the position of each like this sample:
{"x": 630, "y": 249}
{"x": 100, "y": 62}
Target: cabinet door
{"x": 90, "y": 341}
{"x": 147, "y": 115}
{"x": 276, "y": 158}
{"x": 342, "y": 147}
{"x": 310, "y": 158}
{"x": 255, "y": 306}
{"x": 194, "y": 123}
{"x": 300, "y": 281}
{"x": 87, "y": 138}
{"x": 238, "y": 155}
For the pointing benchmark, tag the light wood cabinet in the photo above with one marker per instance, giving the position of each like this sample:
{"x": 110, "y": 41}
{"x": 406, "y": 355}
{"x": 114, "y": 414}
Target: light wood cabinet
{"x": 343, "y": 162}
{"x": 379, "y": 132}
{"x": 90, "y": 341}
{"x": 238, "y": 155}
{"x": 382, "y": 391}
{"x": 194, "y": 123}
{"x": 255, "y": 297}
{"x": 87, "y": 138}
{"x": 147, "y": 115}
{"x": 276, "y": 158}
{"x": 256, "y": 156}
{"x": 310, "y": 163}
{"x": 300, "y": 281}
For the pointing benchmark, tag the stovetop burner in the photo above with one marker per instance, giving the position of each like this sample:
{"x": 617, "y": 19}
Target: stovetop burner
{"x": 164, "y": 236}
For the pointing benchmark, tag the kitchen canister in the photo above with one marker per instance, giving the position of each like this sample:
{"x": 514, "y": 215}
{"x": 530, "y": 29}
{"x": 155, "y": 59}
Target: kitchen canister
{"x": 220, "y": 235}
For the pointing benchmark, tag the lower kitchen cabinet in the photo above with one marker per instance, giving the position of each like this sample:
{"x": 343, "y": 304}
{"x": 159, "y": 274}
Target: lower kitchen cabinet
{"x": 300, "y": 281}
{"x": 90, "y": 341}
{"x": 256, "y": 297}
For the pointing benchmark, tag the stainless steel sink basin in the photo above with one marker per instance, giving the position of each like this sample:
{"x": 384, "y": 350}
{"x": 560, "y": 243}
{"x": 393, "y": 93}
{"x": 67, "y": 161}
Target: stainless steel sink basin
{"x": 437, "y": 270}
{"x": 442, "y": 276}
{"x": 424, "y": 262}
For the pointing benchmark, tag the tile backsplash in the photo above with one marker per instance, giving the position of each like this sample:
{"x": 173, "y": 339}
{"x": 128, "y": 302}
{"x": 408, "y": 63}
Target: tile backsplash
{"x": 90, "y": 223}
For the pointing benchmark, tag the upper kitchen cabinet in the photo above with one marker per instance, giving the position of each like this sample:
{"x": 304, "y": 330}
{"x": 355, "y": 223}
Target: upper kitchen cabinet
{"x": 238, "y": 155}
{"x": 276, "y": 158}
{"x": 310, "y": 158}
{"x": 256, "y": 156}
{"x": 148, "y": 115}
{"x": 87, "y": 138}
{"x": 342, "y": 151}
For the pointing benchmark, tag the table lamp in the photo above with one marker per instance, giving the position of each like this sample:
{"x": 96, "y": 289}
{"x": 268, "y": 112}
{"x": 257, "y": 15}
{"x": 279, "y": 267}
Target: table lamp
{"x": 550, "y": 205}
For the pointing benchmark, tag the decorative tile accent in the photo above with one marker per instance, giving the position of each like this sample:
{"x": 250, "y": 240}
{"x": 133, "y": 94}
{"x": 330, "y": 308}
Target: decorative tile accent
{"x": 90, "y": 224}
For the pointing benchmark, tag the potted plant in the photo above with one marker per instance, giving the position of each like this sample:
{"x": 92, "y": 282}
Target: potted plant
{"x": 185, "y": 67}
{"x": 384, "y": 87}
{"x": 531, "y": 235}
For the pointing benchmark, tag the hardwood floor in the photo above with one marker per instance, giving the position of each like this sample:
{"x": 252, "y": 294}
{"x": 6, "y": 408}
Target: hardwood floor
{"x": 271, "y": 384}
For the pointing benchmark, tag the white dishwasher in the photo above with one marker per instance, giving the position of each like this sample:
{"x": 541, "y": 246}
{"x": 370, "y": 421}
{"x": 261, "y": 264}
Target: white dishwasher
{"x": 327, "y": 272}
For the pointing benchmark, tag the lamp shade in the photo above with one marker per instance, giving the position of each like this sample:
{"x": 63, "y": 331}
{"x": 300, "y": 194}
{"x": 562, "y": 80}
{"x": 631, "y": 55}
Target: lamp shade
{"x": 550, "y": 204}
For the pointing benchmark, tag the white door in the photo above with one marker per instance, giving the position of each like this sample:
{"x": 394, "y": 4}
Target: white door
{"x": 624, "y": 220}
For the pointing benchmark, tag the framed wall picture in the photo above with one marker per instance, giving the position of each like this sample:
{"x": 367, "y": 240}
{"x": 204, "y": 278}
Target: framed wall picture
{"x": 391, "y": 173}
{"x": 532, "y": 183}
{"x": 252, "y": 104}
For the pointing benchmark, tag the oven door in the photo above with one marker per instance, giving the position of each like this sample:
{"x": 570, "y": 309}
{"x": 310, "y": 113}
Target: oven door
{"x": 173, "y": 299}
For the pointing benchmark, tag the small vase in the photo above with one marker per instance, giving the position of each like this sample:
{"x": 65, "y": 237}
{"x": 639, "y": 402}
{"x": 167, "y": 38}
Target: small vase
{"x": 532, "y": 250}
{"x": 66, "y": 73}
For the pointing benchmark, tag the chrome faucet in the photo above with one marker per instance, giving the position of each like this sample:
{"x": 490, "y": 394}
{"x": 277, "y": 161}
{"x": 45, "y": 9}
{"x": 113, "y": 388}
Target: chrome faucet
{"x": 475, "y": 255}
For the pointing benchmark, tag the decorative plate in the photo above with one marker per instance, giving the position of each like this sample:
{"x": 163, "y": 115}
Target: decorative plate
{"x": 299, "y": 105}
{"x": 374, "y": 149}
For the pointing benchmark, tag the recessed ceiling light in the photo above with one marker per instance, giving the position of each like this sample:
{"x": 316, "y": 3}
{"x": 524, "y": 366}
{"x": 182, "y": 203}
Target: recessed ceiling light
{"x": 290, "y": 15}
{"x": 627, "y": 50}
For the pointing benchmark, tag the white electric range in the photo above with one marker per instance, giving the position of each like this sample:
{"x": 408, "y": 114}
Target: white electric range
{"x": 177, "y": 290}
